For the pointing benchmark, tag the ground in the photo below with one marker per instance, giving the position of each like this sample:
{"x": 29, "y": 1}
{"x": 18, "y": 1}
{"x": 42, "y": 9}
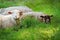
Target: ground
{"x": 33, "y": 29}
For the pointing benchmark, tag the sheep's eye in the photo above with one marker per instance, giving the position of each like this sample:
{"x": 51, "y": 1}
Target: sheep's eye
{"x": 9, "y": 12}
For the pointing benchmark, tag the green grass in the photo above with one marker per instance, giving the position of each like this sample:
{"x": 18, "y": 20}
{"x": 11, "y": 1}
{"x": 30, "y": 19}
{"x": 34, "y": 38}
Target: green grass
{"x": 31, "y": 28}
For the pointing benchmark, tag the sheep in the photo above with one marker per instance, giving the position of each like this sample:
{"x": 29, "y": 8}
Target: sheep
{"x": 21, "y": 8}
{"x": 9, "y": 20}
{"x": 39, "y": 15}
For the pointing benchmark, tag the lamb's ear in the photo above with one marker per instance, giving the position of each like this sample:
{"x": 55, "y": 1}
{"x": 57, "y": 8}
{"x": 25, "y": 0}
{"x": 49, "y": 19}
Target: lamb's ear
{"x": 51, "y": 15}
{"x": 21, "y": 13}
{"x": 42, "y": 16}
{"x": 9, "y": 12}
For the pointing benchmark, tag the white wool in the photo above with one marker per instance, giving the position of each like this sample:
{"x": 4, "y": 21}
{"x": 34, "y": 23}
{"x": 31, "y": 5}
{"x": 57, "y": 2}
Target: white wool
{"x": 35, "y": 14}
{"x": 9, "y": 20}
{"x": 2, "y": 10}
{"x": 21, "y": 8}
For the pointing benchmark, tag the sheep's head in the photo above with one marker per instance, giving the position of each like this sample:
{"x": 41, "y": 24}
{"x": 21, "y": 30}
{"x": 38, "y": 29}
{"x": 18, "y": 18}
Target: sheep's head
{"x": 16, "y": 14}
{"x": 46, "y": 18}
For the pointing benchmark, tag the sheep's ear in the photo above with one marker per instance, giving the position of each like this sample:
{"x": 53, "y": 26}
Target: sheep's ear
{"x": 9, "y": 12}
{"x": 51, "y": 15}
{"x": 42, "y": 16}
{"x": 21, "y": 13}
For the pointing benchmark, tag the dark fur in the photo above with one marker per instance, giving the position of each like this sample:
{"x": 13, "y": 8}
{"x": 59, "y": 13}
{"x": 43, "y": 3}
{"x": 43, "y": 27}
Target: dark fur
{"x": 46, "y": 18}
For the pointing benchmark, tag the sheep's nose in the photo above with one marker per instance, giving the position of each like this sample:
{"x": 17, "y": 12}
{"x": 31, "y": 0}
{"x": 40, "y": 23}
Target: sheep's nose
{"x": 17, "y": 19}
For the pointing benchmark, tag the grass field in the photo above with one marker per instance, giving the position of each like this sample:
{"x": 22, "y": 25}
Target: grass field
{"x": 31, "y": 28}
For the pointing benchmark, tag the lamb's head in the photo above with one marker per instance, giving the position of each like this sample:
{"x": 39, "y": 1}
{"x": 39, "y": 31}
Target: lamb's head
{"x": 46, "y": 18}
{"x": 16, "y": 13}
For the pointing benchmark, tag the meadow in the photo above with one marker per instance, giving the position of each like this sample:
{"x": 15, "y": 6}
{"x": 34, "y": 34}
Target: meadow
{"x": 31, "y": 28}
